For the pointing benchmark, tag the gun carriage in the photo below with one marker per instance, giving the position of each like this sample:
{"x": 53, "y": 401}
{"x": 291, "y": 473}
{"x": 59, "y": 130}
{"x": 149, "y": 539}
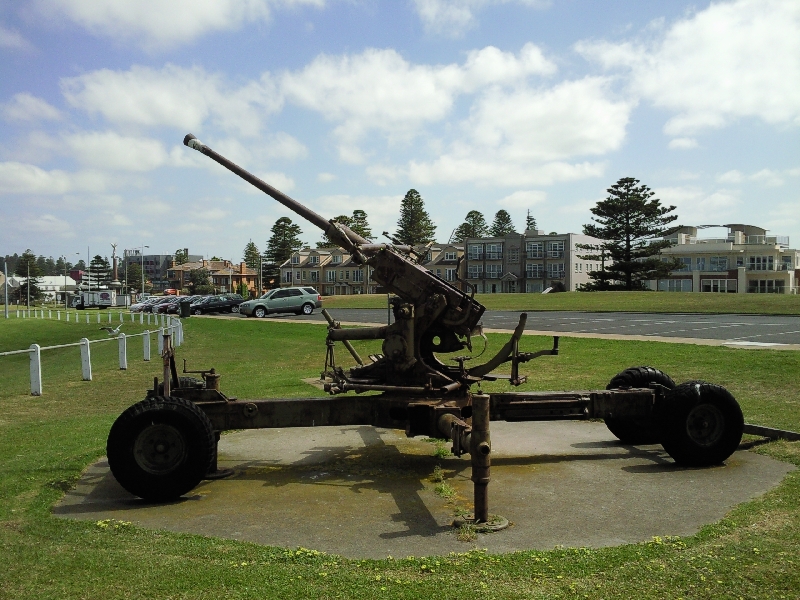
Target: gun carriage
{"x": 162, "y": 447}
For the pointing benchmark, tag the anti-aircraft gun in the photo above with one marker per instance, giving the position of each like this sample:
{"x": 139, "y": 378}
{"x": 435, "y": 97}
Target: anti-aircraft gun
{"x": 430, "y": 315}
{"x": 163, "y": 446}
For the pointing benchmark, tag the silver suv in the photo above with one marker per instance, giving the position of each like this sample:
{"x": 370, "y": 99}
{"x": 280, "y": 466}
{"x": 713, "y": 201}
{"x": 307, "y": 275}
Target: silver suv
{"x": 298, "y": 300}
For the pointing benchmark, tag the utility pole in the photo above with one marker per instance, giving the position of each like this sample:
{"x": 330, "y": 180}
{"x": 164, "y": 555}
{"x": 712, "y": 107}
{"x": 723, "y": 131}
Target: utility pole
{"x": 5, "y": 285}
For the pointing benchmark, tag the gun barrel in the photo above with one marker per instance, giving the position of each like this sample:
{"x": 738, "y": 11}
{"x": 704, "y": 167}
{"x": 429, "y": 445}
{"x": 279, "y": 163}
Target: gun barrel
{"x": 334, "y": 231}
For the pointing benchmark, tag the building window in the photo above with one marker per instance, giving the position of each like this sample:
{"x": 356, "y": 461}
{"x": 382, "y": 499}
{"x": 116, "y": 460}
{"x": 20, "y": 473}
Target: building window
{"x": 295, "y": 259}
{"x": 450, "y": 274}
{"x": 314, "y": 259}
{"x": 358, "y": 275}
{"x": 718, "y": 285}
{"x": 304, "y": 275}
{"x": 439, "y": 273}
{"x": 761, "y": 263}
{"x": 475, "y": 252}
{"x": 718, "y": 263}
{"x": 555, "y": 249}
{"x": 687, "y": 264}
{"x": 534, "y": 249}
{"x": 450, "y": 256}
{"x": 329, "y": 290}
{"x": 331, "y": 275}
{"x": 494, "y": 251}
{"x": 674, "y": 285}
{"x": 700, "y": 263}
{"x": 534, "y": 270}
{"x": 347, "y": 275}
{"x": 494, "y": 271}
{"x": 337, "y": 258}
{"x": 786, "y": 263}
{"x": 297, "y": 275}
{"x": 315, "y": 276}
{"x": 765, "y": 286}
{"x": 533, "y": 287}
{"x": 513, "y": 255}
{"x": 474, "y": 271}
{"x": 555, "y": 270}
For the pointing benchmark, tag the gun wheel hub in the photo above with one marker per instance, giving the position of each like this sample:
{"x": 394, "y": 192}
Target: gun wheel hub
{"x": 159, "y": 449}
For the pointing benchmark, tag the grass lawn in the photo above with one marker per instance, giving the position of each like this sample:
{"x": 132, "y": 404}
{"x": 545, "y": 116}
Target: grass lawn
{"x": 46, "y": 442}
{"x": 658, "y": 302}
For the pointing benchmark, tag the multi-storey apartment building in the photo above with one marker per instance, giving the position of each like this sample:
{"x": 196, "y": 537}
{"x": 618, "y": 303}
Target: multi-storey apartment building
{"x": 747, "y": 260}
{"x": 156, "y": 266}
{"x": 225, "y": 276}
{"x": 530, "y": 262}
{"x": 333, "y": 272}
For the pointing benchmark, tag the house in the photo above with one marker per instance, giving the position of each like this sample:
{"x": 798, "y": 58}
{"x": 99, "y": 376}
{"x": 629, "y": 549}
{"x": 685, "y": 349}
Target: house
{"x": 529, "y": 262}
{"x": 746, "y": 260}
{"x": 225, "y": 276}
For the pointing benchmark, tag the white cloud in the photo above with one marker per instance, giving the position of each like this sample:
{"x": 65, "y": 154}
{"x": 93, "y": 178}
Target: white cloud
{"x": 21, "y": 178}
{"x": 158, "y": 24}
{"x": 732, "y": 176}
{"x": 326, "y": 177}
{"x": 13, "y": 39}
{"x": 730, "y": 61}
{"x": 453, "y": 17}
{"x": 768, "y": 177}
{"x": 525, "y": 137}
{"x": 26, "y": 107}
{"x": 380, "y": 90}
{"x": 188, "y": 99}
{"x": 45, "y": 224}
{"x": 112, "y": 151}
{"x": 682, "y": 144}
{"x": 523, "y": 199}
{"x": 696, "y": 206}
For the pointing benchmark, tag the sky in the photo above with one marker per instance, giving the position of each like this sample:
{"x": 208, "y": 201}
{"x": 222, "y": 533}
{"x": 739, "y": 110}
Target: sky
{"x": 522, "y": 105}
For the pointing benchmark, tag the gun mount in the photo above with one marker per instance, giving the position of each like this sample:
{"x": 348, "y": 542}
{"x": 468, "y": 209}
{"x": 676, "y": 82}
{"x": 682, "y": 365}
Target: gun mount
{"x": 163, "y": 446}
{"x": 430, "y": 315}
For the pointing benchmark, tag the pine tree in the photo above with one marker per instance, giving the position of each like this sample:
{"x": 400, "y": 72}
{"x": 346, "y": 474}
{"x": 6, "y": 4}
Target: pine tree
{"x": 415, "y": 225}
{"x": 360, "y": 225}
{"x": 474, "y": 226}
{"x": 530, "y": 222}
{"x": 629, "y": 221}
{"x": 601, "y": 278}
{"x": 99, "y": 272}
{"x": 502, "y": 224}
{"x": 27, "y": 267}
{"x": 252, "y": 256}
{"x": 284, "y": 242}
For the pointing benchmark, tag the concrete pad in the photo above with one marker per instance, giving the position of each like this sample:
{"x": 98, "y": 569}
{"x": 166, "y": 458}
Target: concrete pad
{"x": 364, "y": 492}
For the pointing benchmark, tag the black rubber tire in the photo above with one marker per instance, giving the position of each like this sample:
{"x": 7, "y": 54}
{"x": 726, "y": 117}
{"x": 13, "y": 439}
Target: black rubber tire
{"x": 160, "y": 448}
{"x": 637, "y": 430}
{"x": 184, "y": 382}
{"x": 197, "y": 311}
{"x": 235, "y": 309}
{"x": 260, "y": 312}
{"x": 307, "y": 309}
{"x": 703, "y": 424}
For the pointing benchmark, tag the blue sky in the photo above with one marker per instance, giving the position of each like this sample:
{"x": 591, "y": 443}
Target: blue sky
{"x": 346, "y": 104}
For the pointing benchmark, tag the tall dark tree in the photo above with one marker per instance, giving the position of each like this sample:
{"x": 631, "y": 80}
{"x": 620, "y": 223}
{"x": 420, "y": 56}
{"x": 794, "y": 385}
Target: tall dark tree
{"x": 251, "y": 256}
{"x": 360, "y": 225}
{"x": 132, "y": 275}
{"x": 99, "y": 271}
{"x": 474, "y": 226}
{"x": 28, "y": 268}
{"x": 530, "y": 222}
{"x": 285, "y": 240}
{"x": 415, "y": 225}
{"x": 629, "y": 221}
{"x": 502, "y": 225}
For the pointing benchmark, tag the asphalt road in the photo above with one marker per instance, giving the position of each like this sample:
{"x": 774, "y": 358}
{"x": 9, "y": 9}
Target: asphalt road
{"x": 745, "y": 330}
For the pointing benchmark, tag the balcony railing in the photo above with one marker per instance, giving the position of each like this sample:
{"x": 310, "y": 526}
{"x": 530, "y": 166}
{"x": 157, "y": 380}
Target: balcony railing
{"x": 555, "y": 254}
{"x": 494, "y": 256}
{"x": 475, "y": 256}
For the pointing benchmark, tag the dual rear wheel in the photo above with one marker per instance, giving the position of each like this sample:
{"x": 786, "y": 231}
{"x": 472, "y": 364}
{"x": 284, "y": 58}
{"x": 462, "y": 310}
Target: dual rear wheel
{"x": 698, "y": 423}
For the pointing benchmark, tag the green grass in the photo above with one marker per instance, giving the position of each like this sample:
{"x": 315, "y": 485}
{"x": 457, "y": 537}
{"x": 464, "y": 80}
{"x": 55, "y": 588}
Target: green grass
{"x": 658, "y": 302}
{"x": 46, "y": 442}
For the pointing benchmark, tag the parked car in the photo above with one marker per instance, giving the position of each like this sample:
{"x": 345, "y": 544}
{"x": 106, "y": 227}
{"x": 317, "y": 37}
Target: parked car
{"x": 175, "y": 307}
{"x": 298, "y": 300}
{"x": 139, "y": 306}
{"x": 221, "y": 303}
{"x": 152, "y": 307}
{"x": 163, "y": 307}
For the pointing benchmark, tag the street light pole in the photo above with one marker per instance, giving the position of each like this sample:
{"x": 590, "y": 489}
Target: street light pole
{"x": 64, "y": 258}
{"x": 142, "y": 259}
{"x": 5, "y": 286}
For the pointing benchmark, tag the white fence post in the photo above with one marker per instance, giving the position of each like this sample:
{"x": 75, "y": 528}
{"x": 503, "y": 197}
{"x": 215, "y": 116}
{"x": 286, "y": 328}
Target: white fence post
{"x": 160, "y": 341}
{"x": 121, "y": 319}
{"x": 123, "y": 352}
{"x": 87, "y": 318}
{"x": 98, "y": 315}
{"x": 146, "y": 340}
{"x": 148, "y": 318}
{"x": 36, "y": 370}
{"x": 49, "y": 314}
{"x": 86, "y": 360}
{"x": 141, "y": 318}
{"x": 58, "y": 315}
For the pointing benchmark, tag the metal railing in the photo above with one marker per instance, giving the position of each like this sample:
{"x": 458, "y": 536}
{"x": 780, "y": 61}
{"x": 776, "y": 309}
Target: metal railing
{"x": 171, "y": 326}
